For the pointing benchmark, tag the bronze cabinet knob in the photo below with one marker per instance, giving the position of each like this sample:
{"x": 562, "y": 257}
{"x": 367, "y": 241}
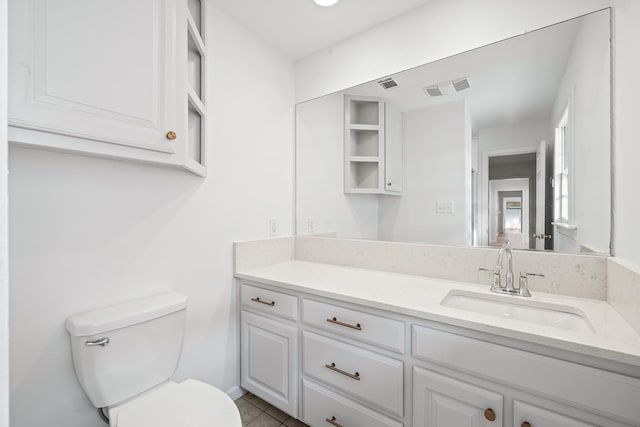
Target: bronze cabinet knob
{"x": 525, "y": 424}
{"x": 171, "y": 135}
{"x": 489, "y": 414}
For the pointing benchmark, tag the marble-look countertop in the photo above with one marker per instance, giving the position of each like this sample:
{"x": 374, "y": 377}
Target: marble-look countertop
{"x": 613, "y": 338}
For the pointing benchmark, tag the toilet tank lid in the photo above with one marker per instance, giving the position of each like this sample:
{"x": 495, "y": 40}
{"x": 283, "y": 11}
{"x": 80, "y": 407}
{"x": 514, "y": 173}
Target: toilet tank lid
{"x": 121, "y": 315}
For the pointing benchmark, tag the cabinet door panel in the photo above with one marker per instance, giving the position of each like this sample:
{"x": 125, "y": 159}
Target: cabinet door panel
{"x": 103, "y": 71}
{"x": 269, "y": 365}
{"x": 539, "y": 417}
{"x": 393, "y": 165}
{"x": 441, "y": 401}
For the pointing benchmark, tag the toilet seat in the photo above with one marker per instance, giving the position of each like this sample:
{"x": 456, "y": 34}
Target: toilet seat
{"x": 188, "y": 404}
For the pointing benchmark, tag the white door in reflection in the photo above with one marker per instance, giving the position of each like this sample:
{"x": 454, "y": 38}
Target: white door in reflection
{"x": 512, "y": 207}
{"x": 509, "y": 212}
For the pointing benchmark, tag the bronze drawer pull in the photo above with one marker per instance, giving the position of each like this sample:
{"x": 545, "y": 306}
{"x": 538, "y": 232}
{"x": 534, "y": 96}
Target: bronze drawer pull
{"x": 333, "y": 422}
{"x": 335, "y": 322}
{"x": 272, "y": 303}
{"x": 355, "y": 376}
{"x": 525, "y": 424}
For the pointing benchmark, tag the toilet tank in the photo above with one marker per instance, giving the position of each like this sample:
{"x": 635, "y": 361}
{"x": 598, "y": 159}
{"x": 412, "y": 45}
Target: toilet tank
{"x": 125, "y": 349}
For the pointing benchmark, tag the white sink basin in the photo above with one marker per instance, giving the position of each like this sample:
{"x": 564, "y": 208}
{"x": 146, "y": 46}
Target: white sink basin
{"x": 518, "y": 308}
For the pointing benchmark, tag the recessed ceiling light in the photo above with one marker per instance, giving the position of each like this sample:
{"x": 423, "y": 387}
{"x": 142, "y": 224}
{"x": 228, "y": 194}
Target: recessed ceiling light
{"x": 326, "y": 3}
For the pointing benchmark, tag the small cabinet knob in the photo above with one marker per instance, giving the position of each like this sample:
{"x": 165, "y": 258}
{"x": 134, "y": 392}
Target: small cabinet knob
{"x": 171, "y": 135}
{"x": 489, "y": 414}
{"x": 525, "y": 424}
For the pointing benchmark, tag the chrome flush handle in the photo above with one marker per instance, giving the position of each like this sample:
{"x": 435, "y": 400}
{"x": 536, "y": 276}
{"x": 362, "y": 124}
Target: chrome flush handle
{"x": 102, "y": 343}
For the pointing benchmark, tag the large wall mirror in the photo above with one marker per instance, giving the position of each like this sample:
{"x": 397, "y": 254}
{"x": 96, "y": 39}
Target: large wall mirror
{"x": 511, "y": 141}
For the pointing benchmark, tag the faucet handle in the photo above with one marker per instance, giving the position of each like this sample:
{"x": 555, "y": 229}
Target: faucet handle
{"x": 523, "y": 290}
{"x": 496, "y": 276}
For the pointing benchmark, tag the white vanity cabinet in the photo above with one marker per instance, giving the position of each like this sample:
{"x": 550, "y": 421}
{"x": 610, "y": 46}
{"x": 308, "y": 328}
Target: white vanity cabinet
{"x": 111, "y": 79}
{"x": 269, "y": 347}
{"x": 364, "y": 367}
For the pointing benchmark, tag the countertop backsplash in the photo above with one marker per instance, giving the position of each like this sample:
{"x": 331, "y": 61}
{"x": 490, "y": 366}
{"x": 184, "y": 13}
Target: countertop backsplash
{"x": 582, "y": 276}
{"x": 623, "y": 290}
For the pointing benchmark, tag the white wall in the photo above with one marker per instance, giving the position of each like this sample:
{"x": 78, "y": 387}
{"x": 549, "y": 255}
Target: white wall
{"x": 319, "y": 174}
{"x": 4, "y": 255}
{"x": 458, "y": 25}
{"x": 586, "y": 82}
{"x": 626, "y": 127}
{"x": 436, "y": 140}
{"x": 88, "y": 232}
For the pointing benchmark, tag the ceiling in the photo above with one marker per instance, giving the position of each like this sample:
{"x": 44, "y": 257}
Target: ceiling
{"x": 514, "y": 81}
{"x": 300, "y": 27}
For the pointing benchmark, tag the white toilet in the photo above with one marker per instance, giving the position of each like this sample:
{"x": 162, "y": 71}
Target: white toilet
{"x": 124, "y": 356}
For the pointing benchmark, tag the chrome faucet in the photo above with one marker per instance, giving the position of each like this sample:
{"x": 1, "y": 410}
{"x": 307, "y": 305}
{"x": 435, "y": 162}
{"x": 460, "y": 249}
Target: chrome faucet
{"x": 506, "y": 247}
{"x": 522, "y": 289}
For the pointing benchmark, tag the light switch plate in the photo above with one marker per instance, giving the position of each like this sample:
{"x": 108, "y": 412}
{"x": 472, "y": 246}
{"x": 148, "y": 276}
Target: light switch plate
{"x": 444, "y": 207}
{"x": 273, "y": 226}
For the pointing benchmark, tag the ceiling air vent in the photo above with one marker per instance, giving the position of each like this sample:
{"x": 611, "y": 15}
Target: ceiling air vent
{"x": 449, "y": 87}
{"x": 433, "y": 91}
{"x": 461, "y": 84}
{"x": 388, "y": 83}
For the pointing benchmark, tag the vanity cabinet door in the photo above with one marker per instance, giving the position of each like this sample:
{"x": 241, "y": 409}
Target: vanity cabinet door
{"x": 441, "y": 401}
{"x": 525, "y": 415}
{"x": 269, "y": 361}
{"x": 95, "y": 76}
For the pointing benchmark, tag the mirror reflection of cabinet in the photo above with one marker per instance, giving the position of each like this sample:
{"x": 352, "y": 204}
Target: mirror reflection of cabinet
{"x": 372, "y": 147}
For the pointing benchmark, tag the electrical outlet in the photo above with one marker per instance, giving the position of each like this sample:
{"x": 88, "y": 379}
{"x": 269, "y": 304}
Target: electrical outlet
{"x": 444, "y": 207}
{"x": 273, "y": 226}
{"x": 310, "y": 228}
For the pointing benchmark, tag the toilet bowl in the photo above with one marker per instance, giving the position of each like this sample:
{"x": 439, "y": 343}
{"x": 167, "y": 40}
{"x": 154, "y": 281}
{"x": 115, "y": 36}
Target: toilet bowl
{"x": 190, "y": 403}
{"x": 124, "y": 356}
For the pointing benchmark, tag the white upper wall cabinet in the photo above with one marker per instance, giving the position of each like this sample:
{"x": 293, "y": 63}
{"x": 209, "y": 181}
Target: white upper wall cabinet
{"x": 102, "y": 78}
{"x": 372, "y": 147}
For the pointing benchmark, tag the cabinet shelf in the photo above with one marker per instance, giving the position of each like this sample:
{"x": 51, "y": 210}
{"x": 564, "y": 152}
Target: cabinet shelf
{"x": 366, "y": 159}
{"x": 364, "y": 111}
{"x": 364, "y": 175}
{"x": 373, "y": 128}
{"x": 364, "y": 142}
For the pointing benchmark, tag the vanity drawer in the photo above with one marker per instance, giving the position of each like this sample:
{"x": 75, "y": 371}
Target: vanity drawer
{"x": 536, "y": 416}
{"x": 320, "y": 405}
{"x": 364, "y": 374}
{"x": 369, "y": 328}
{"x": 268, "y": 301}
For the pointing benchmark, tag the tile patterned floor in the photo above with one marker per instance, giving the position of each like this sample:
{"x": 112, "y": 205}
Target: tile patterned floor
{"x": 255, "y": 412}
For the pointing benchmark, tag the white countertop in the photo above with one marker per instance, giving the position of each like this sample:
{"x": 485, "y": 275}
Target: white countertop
{"x": 418, "y": 296}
